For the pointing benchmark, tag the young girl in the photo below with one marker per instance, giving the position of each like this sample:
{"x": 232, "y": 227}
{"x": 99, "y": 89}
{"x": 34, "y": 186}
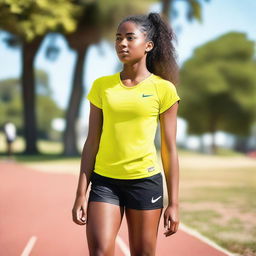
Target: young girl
{"x": 119, "y": 156}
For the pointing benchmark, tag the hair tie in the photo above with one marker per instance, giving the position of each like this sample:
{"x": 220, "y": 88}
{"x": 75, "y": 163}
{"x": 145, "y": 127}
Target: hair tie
{"x": 155, "y": 18}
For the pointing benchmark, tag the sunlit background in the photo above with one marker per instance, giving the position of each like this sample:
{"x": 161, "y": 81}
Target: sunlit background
{"x": 217, "y": 19}
{"x": 74, "y": 45}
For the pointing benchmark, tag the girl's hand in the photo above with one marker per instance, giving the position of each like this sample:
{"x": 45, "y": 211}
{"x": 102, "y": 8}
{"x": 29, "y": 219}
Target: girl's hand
{"x": 171, "y": 220}
{"x": 79, "y": 210}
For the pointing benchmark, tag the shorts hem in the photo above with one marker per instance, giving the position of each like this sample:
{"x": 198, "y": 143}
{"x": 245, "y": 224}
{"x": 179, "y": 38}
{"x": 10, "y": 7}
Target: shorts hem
{"x": 145, "y": 208}
{"x": 104, "y": 201}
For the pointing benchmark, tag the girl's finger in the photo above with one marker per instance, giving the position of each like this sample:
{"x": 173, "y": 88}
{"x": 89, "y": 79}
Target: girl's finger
{"x": 84, "y": 215}
{"x": 170, "y": 224}
{"x": 75, "y": 218}
{"x": 77, "y": 214}
{"x": 168, "y": 232}
{"x": 78, "y": 218}
{"x": 172, "y": 227}
{"x": 175, "y": 227}
{"x": 165, "y": 221}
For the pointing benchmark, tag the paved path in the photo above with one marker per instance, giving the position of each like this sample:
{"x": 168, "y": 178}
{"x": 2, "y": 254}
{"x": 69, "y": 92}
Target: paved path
{"x": 35, "y": 219}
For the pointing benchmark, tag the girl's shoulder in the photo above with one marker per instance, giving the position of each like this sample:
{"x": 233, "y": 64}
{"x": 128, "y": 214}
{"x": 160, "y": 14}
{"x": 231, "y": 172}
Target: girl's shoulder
{"x": 106, "y": 78}
{"x": 162, "y": 83}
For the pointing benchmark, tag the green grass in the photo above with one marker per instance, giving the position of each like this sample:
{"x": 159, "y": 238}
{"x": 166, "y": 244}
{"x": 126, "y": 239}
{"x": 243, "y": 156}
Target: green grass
{"x": 220, "y": 152}
{"x": 46, "y": 147}
{"x": 227, "y": 152}
{"x": 49, "y": 151}
{"x": 220, "y": 202}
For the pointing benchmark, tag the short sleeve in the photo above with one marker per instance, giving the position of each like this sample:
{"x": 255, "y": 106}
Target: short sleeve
{"x": 167, "y": 96}
{"x": 94, "y": 95}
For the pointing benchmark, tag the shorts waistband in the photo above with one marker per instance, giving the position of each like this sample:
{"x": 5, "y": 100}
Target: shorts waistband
{"x": 125, "y": 180}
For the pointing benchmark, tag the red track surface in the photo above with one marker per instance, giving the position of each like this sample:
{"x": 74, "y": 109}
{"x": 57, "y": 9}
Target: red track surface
{"x": 34, "y": 203}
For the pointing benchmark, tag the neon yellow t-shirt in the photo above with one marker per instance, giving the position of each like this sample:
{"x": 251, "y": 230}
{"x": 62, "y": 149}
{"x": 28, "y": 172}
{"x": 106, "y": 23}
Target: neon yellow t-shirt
{"x": 130, "y": 117}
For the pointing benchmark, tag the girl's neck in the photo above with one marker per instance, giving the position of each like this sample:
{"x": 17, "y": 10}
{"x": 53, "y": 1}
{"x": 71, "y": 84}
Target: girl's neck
{"x": 133, "y": 71}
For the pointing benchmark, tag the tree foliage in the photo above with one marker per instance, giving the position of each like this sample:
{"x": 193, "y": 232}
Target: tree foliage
{"x": 193, "y": 9}
{"x": 218, "y": 85}
{"x": 83, "y": 22}
{"x": 11, "y": 104}
{"x": 97, "y": 22}
{"x": 29, "y": 19}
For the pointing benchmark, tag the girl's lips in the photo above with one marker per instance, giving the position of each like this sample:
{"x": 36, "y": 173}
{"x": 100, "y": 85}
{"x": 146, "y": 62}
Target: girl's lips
{"x": 123, "y": 54}
{"x": 123, "y": 51}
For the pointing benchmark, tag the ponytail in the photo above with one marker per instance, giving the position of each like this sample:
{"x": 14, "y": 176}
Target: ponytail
{"x": 161, "y": 60}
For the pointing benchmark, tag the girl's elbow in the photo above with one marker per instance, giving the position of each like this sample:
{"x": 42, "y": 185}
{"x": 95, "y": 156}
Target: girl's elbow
{"x": 169, "y": 146}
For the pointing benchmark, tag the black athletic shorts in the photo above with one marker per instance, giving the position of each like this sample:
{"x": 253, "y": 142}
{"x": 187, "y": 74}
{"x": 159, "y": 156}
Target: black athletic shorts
{"x": 141, "y": 194}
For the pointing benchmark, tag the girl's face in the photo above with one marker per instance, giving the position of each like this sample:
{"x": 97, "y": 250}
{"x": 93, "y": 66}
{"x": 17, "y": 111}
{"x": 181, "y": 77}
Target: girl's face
{"x": 131, "y": 45}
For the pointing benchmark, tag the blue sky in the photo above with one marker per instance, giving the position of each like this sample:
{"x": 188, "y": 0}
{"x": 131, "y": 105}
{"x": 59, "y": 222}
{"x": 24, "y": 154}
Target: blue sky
{"x": 219, "y": 17}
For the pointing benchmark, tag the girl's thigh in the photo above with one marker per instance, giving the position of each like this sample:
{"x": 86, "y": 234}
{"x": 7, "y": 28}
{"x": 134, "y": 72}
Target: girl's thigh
{"x": 103, "y": 223}
{"x": 143, "y": 229}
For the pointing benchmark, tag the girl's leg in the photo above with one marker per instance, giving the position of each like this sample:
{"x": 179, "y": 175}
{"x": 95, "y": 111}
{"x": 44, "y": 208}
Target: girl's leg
{"x": 143, "y": 229}
{"x": 103, "y": 223}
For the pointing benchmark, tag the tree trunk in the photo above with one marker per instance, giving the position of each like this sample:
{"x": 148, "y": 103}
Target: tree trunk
{"x": 213, "y": 146}
{"x": 70, "y": 135}
{"x": 201, "y": 144}
{"x": 166, "y": 8}
{"x": 213, "y": 129}
{"x": 241, "y": 144}
{"x": 29, "y": 50}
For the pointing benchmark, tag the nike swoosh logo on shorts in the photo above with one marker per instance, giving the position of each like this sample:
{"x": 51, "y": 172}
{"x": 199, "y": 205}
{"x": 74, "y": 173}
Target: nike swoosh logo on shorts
{"x": 154, "y": 200}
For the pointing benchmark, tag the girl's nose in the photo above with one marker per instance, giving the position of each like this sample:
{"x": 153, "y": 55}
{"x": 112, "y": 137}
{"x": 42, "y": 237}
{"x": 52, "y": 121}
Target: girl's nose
{"x": 123, "y": 42}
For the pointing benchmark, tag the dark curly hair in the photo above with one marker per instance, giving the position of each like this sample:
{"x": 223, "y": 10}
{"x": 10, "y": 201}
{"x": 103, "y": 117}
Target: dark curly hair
{"x": 161, "y": 60}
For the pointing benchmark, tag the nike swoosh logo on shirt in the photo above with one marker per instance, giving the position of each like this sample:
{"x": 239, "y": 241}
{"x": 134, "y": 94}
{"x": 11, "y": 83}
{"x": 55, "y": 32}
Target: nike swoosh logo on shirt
{"x": 146, "y": 95}
{"x": 154, "y": 200}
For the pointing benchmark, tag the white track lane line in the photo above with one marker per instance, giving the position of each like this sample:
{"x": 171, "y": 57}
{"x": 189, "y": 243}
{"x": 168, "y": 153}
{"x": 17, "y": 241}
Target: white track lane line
{"x": 29, "y": 246}
{"x": 124, "y": 248}
{"x": 198, "y": 235}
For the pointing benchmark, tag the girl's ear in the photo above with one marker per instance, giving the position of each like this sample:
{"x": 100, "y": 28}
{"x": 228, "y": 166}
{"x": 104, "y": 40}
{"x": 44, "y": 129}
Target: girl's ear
{"x": 149, "y": 46}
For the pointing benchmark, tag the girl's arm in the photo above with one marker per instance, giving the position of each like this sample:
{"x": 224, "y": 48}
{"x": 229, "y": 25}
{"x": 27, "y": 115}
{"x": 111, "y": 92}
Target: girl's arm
{"x": 168, "y": 125}
{"x": 89, "y": 153}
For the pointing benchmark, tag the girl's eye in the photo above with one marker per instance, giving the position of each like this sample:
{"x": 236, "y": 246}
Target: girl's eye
{"x": 128, "y": 38}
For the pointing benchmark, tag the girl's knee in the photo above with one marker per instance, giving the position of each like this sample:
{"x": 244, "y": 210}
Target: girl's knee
{"x": 102, "y": 251}
{"x": 144, "y": 250}
{"x": 143, "y": 253}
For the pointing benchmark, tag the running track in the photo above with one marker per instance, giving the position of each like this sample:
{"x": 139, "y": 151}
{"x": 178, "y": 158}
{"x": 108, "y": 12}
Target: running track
{"x": 35, "y": 219}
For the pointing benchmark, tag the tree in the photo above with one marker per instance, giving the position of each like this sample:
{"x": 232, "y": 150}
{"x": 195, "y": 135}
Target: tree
{"x": 98, "y": 21}
{"x": 47, "y": 111}
{"x": 218, "y": 85}
{"x": 193, "y": 11}
{"x": 170, "y": 13}
{"x": 31, "y": 20}
{"x": 10, "y": 107}
{"x": 28, "y": 21}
